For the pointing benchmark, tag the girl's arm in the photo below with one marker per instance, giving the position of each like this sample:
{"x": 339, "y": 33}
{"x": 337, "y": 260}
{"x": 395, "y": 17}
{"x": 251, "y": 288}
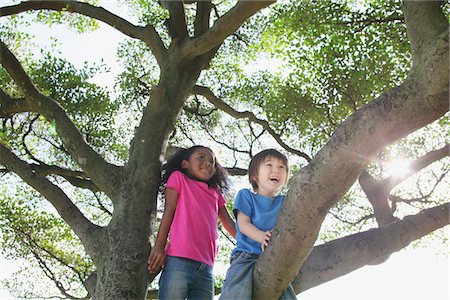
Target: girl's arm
{"x": 253, "y": 232}
{"x": 227, "y": 221}
{"x": 157, "y": 256}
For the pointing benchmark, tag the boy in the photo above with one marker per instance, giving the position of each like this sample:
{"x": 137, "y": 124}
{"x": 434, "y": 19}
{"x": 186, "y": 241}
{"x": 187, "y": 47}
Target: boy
{"x": 256, "y": 214}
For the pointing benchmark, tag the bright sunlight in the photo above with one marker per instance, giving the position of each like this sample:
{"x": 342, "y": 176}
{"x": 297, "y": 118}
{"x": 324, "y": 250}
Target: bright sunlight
{"x": 397, "y": 167}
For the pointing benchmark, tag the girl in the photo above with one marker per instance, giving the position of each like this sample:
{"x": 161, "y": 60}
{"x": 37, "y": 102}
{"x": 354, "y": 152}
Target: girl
{"x": 193, "y": 180}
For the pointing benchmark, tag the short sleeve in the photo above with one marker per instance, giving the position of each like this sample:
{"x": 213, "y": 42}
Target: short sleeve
{"x": 243, "y": 203}
{"x": 174, "y": 181}
{"x": 221, "y": 199}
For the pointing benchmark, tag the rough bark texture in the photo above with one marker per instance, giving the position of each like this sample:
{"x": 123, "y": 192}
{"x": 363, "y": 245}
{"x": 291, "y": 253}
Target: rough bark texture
{"x": 120, "y": 249}
{"x": 342, "y": 256}
{"x": 420, "y": 99}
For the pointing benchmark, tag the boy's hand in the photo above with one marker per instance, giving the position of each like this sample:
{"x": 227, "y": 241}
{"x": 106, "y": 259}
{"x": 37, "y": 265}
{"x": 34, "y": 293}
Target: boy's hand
{"x": 265, "y": 237}
{"x": 156, "y": 259}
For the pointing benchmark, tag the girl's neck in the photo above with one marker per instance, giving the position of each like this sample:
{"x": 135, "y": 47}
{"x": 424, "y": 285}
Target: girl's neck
{"x": 191, "y": 176}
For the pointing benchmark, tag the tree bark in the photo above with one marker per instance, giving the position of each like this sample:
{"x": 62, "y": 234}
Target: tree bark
{"x": 378, "y": 191}
{"x": 318, "y": 186}
{"x": 342, "y": 256}
{"x": 120, "y": 249}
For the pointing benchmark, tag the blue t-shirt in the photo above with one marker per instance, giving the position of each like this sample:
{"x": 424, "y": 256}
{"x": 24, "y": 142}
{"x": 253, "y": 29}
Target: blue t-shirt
{"x": 261, "y": 210}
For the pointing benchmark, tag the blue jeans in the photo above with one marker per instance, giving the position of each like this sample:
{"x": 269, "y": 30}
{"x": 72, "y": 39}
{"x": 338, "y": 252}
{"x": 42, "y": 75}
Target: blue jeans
{"x": 238, "y": 282}
{"x": 184, "y": 278}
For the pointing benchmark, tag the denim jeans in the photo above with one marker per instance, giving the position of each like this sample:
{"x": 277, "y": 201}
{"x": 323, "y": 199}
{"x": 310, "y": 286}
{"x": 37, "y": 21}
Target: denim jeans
{"x": 184, "y": 278}
{"x": 238, "y": 282}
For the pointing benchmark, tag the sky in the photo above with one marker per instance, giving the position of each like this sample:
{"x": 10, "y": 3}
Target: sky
{"x": 408, "y": 274}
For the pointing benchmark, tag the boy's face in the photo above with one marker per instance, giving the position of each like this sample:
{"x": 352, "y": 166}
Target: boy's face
{"x": 271, "y": 177}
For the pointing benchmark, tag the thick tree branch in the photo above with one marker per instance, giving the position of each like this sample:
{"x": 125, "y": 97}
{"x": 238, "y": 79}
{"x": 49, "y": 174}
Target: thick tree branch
{"x": 378, "y": 191}
{"x": 218, "y": 103}
{"x": 415, "y": 166}
{"x": 377, "y": 195}
{"x": 342, "y": 256}
{"x": 202, "y": 16}
{"x": 235, "y": 171}
{"x": 10, "y": 106}
{"x": 222, "y": 28}
{"x": 176, "y": 24}
{"x": 76, "y": 178}
{"x": 104, "y": 175}
{"x": 418, "y": 101}
{"x": 147, "y": 34}
{"x": 83, "y": 228}
{"x": 419, "y": 32}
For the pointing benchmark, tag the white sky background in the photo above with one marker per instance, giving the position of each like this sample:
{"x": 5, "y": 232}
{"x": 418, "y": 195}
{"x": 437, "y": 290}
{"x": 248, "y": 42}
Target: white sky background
{"x": 408, "y": 274}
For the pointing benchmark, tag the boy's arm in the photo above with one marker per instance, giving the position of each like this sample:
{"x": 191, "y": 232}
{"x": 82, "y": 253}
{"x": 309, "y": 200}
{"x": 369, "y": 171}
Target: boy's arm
{"x": 227, "y": 221}
{"x": 157, "y": 256}
{"x": 253, "y": 232}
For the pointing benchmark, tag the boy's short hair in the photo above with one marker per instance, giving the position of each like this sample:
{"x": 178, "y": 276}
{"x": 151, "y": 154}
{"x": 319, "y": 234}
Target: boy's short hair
{"x": 259, "y": 158}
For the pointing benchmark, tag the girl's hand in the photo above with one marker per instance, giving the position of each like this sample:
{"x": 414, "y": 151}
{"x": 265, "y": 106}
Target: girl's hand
{"x": 156, "y": 259}
{"x": 265, "y": 238}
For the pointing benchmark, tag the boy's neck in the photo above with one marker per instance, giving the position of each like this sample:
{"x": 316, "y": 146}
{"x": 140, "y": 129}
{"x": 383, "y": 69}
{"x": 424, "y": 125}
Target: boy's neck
{"x": 266, "y": 194}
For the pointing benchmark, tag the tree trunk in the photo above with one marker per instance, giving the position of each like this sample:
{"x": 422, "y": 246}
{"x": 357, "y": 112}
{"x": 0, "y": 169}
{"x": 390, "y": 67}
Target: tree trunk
{"x": 122, "y": 265}
{"x": 122, "y": 269}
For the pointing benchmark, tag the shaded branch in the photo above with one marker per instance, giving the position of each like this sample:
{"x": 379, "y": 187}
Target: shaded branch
{"x": 359, "y": 221}
{"x": 209, "y": 95}
{"x": 367, "y": 22}
{"x": 51, "y": 275}
{"x": 395, "y": 199}
{"x": 10, "y": 106}
{"x": 24, "y": 136}
{"x": 378, "y": 191}
{"x": 201, "y": 23}
{"x": 76, "y": 178}
{"x": 419, "y": 32}
{"x": 235, "y": 171}
{"x": 83, "y": 228}
{"x": 421, "y": 99}
{"x": 101, "y": 206}
{"x": 176, "y": 24}
{"x": 105, "y": 175}
{"x": 342, "y": 256}
{"x": 218, "y": 140}
{"x": 417, "y": 165}
{"x": 377, "y": 194}
{"x": 35, "y": 249}
{"x": 147, "y": 34}
{"x": 222, "y": 28}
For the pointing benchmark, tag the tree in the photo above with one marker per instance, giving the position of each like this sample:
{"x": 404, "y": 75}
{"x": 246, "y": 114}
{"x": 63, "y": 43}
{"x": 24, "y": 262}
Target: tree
{"x": 183, "y": 48}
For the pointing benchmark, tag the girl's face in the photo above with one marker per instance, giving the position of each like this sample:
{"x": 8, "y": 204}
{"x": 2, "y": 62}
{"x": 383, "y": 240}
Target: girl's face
{"x": 272, "y": 176}
{"x": 201, "y": 164}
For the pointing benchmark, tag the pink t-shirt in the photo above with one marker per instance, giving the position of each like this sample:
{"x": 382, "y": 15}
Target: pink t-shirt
{"x": 193, "y": 233}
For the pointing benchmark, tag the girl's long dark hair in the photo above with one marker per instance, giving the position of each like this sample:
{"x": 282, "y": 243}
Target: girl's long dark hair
{"x": 219, "y": 179}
